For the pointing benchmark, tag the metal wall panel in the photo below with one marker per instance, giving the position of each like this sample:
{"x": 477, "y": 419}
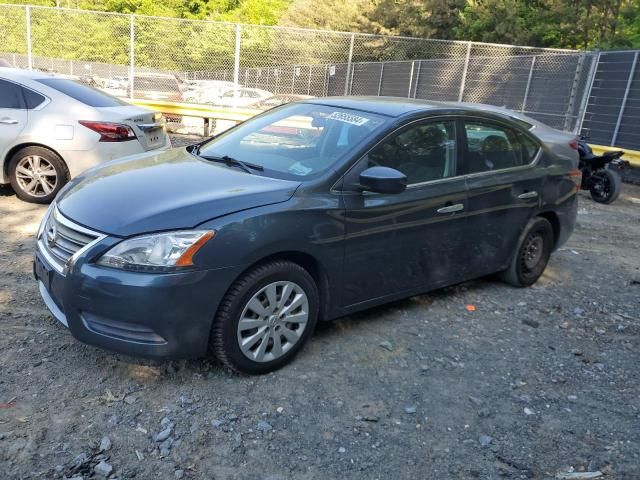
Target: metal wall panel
{"x": 612, "y": 115}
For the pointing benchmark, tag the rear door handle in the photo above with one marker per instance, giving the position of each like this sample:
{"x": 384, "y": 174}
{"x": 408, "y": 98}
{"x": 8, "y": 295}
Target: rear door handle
{"x": 525, "y": 195}
{"x": 451, "y": 208}
{"x": 8, "y": 121}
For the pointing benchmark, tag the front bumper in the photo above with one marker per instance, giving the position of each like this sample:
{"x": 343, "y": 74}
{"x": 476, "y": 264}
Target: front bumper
{"x": 148, "y": 315}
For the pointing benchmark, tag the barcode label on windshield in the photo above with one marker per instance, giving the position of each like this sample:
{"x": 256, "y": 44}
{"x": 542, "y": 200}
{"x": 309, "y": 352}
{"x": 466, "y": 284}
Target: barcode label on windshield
{"x": 348, "y": 118}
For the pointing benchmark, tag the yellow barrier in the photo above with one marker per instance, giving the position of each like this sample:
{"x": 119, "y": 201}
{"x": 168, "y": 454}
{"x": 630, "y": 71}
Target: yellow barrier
{"x": 209, "y": 113}
{"x": 195, "y": 110}
{"x": 241, "y": 114}
{"x": 631, "y": 156}
{"x": 205, "y": 112}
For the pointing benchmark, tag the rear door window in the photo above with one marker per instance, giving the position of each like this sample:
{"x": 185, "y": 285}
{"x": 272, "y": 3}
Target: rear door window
{"x": 10, "y": 95}
{"x": 494, "y": 147}
{"x": 32, "y": 99}
{"x": 529, "y": 148}
{"x": 82, "y": 93}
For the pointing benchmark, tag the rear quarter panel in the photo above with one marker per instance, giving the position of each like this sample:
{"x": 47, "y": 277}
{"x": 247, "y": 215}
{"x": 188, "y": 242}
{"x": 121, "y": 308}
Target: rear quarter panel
{"x": 560, "y": 192}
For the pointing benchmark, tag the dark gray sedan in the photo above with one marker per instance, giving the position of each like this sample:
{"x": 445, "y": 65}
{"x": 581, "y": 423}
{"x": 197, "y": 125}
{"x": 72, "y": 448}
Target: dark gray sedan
{"x": 238, "y": 246}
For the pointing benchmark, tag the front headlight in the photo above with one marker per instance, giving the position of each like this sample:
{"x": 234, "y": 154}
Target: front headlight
{"x": 159, "y": 252}
{"x": 43, "y": 222}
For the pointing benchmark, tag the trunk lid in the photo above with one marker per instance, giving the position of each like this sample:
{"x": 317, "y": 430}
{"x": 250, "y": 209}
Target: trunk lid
{"x": 146, "y": 124}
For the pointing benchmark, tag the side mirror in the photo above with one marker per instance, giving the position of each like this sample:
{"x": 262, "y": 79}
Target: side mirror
{"x": 383, "y": 180}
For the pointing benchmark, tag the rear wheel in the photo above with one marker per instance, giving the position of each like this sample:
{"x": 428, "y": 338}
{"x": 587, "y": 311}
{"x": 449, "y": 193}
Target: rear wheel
{"x": 605, "y": 186}
{"x": 37, "y": 174}
{"x": 532, "y": 254}
{"x": 265, "y": 318}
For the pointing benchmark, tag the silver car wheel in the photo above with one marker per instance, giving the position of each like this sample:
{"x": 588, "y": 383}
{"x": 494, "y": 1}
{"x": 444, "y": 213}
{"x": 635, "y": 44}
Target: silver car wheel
{"x": 273, "y": 321}
{"x": 36, "y": 176}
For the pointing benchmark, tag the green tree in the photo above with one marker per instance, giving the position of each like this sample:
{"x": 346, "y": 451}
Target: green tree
{"x": 350, "y": 16}
{"x": 419, "y": 18}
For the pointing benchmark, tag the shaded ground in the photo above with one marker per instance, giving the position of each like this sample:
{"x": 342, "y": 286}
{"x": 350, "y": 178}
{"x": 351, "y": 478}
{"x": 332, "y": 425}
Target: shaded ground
{"x": 533, "y": 382}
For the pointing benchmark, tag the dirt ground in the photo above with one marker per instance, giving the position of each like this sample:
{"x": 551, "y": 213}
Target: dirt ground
{"x": 535, "y": 383}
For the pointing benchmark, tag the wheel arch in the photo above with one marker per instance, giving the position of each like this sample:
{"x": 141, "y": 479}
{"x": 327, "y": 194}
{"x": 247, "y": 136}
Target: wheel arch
{"x": 552, "y": 218}
{"x": 12, "y": 151}
{"x": 312, "y": 265}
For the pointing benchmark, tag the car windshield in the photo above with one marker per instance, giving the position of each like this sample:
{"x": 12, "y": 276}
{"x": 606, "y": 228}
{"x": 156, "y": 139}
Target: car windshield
{"x": 295, "y": 141}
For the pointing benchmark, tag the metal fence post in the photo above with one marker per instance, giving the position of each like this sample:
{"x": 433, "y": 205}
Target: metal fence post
{"x": 132, "y": 54}
{"x": 293, "y": 80}
{"x": 587, "y": 93}
{"x": 574, "y": 91}
{"x": 380, "y": 81}
{"x": 325, "y": 86}
{"x": 413, "y": 64}
{"x": 526, "y": 91}
{"x": 417, "y": 82}
{"x": 346, "y": 80}
{"x": 464, "y": 72}
{"x": 236, "y": 60}
{"x": 29, "y": 55}
{"x": 353, "y": 71}
{"x": 236, "y": 66}
{"x": 632, "y": 72}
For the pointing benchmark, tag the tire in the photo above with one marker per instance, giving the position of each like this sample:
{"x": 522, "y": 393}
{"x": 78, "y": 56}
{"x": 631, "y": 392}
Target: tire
{"x": 607, "y": 188}
{"x": 532, "y": 254}
{"x": 26, "y": 174}
{"x": 281, "y": 279}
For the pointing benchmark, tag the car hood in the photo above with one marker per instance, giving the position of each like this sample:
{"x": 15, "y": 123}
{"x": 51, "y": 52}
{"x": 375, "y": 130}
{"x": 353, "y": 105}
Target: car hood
{"x": 164, "y": 190}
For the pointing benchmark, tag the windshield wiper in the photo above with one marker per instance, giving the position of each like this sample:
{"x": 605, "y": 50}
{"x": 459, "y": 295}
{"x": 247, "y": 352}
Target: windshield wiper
{"x": 233, "y": 162}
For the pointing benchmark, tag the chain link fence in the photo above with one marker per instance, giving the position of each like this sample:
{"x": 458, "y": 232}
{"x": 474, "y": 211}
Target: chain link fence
{"x": 232, "y": 65}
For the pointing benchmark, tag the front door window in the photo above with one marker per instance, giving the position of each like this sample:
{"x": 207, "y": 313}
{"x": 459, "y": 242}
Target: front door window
{"x": 423, "y": 152}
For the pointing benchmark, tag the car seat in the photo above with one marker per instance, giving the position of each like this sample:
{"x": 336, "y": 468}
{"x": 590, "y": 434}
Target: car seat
{"x": 426, "y": 157}
{"x": 497, "y": 153}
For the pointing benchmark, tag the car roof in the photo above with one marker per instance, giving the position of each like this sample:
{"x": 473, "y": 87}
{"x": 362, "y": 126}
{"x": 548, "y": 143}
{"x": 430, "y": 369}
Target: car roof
{"x": 20, "y": 74}
{"x": 399, "y": 106}
{"x": 388, "y": 106}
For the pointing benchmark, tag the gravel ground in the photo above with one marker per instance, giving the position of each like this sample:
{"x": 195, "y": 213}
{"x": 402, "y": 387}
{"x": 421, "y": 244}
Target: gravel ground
{"x": 534, "y": 383}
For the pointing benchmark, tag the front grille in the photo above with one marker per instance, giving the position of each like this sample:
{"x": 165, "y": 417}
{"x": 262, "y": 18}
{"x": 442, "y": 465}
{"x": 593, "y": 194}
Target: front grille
{"x": 61, "y": 238}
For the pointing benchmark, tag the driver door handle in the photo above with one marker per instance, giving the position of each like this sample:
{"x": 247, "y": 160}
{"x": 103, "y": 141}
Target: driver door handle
{"x": 8, "y": 121}
{"x": 525, "y": 195}
{"x": 451, "y": 208}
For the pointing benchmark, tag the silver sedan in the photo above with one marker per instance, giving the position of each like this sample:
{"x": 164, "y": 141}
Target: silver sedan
{"x": 52, "y": 129}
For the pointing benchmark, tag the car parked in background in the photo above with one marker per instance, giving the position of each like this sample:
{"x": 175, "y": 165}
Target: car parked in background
{"x": 241, "y": 97}
{"x": 116, "y": 86}
{"x": 206, "y": 92}
{"x": 277, "y": 100}
{"x": 156, "y": 86}
{"x": 52, "y": 129}
{"x": 240, "y": 244}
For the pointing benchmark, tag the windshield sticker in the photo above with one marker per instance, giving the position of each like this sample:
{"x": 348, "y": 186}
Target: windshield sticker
{"x": 348, "y": 118}
{"x": 299, "y": 169}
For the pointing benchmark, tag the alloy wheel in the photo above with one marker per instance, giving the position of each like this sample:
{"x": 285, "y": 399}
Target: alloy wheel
{"x": 36, "y": 176}
{"x": 273, "y": 321}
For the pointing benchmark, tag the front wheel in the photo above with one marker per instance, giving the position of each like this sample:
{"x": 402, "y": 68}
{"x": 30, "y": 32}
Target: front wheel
{"x": 531, "y": 255}
{"x": 265, "y": 318}
{"x": 605, "y": 186}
